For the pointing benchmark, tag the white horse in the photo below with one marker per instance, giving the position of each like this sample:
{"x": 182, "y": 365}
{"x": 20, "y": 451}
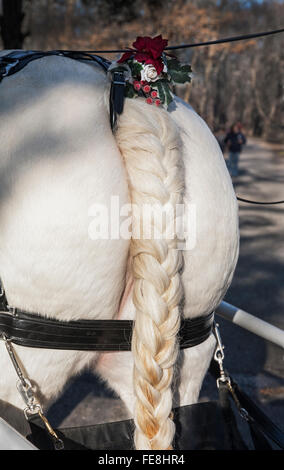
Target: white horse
{"x": 59, "y": 157}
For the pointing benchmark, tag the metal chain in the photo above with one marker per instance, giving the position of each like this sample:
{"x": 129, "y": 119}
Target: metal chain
{"x": 26, "y": 391}
{"x": 15, "y": 363}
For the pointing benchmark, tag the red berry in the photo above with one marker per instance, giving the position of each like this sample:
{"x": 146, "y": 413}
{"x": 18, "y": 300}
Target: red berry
{"x": 149, "y": 100}
{"x": 157, "y": 102}
{"x": 136, "y": 85}
{"x": 146, "y": 89}
{"x": 154, "y": 94}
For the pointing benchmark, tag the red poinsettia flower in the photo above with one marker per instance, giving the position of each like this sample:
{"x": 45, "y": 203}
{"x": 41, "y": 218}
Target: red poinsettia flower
{"x": 148, "y": 51}
{"x": 153, "y": 46}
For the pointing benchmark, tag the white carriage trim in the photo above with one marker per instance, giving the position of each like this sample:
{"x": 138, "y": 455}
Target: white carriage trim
{"x": 10, "y": 439}
{"x": 251, "y": 323}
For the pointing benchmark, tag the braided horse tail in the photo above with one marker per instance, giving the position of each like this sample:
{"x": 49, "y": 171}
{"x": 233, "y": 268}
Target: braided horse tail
{"x": 150, "y": 145}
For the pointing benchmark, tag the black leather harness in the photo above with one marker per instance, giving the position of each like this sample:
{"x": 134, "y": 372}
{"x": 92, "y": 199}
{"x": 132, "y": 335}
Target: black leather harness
{"x": 17, "y": 60}
{"x": 35, "y": 331}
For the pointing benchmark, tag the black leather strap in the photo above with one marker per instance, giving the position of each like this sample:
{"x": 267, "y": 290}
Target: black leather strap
{"x": 257, "y": 420}
{"x": 116, "y": 100}
{"x": 16, "y": 60}
{"x": 36, "y": 331}
{"x": 198, "y": 427}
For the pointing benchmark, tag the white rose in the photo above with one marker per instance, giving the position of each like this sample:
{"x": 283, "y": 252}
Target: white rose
{"x": 149, "y": 73}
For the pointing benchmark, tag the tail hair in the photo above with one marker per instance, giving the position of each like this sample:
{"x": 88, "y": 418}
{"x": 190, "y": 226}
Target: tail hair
{"x": 150, "y": 144}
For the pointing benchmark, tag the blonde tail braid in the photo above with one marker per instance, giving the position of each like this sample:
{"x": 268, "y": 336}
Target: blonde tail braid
{"x": 149, "y": 142}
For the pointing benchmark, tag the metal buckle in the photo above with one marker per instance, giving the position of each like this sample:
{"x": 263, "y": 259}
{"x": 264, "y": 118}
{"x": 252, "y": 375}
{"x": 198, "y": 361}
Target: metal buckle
{"x": 118, "y": 78}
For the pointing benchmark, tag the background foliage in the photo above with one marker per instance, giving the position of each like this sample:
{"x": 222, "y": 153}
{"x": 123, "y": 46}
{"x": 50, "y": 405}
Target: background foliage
{"x": 242, "y": 81}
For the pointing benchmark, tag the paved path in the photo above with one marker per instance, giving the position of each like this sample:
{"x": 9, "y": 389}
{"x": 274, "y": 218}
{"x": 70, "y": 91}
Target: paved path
{"x": 258, "y": 287}
{"x": 258, "y": 284}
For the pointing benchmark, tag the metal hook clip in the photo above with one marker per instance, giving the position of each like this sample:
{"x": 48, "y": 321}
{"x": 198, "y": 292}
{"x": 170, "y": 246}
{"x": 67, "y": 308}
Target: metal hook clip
{"x": 27, "y": 394}
{"x": 219, "y": 356}
{"x": 224, "y": 377}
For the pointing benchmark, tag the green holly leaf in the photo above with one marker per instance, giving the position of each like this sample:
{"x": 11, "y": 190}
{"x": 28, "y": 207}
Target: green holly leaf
{"x": 182, "y": 75}
{"x": 136, "y": 68}
{"x": 129, "y": 91}
{"x": 164, "y": 91}
{"x": 179, "y": 73}
{"x": 173, "y": 64}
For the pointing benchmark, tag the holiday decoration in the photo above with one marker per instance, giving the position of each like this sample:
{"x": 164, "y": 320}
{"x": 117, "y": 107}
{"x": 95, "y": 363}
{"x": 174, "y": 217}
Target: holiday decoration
{"x": 150, "y": 72}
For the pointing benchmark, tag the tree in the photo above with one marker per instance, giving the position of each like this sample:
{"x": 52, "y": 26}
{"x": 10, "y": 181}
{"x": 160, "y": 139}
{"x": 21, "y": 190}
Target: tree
{"x": 242, "y": 81}
{"x": 11, "y": 24}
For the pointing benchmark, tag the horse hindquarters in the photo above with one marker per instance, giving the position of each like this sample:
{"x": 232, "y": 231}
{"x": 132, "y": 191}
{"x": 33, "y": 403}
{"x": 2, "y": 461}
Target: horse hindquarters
{"x": 59, "y": 164}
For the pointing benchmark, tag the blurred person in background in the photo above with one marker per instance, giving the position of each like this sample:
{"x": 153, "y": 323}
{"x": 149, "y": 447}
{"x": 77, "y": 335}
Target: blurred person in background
{"x": 234, "y": 141}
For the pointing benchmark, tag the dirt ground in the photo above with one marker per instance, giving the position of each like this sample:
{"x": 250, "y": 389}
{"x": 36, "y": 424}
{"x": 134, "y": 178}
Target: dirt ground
{"x": 257, "y": 287}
